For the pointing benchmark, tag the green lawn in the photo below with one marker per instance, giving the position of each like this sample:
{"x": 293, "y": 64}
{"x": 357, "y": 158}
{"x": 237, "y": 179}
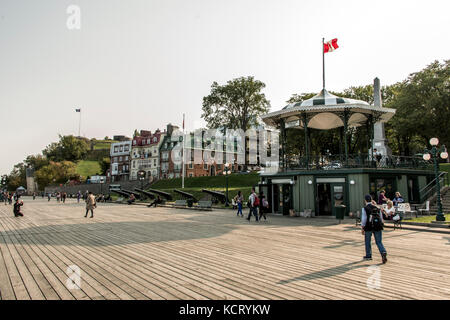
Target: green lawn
{"x": 87, "y": 168}
{"x": 428, "y": 219}
{"x": 103, "y": 144}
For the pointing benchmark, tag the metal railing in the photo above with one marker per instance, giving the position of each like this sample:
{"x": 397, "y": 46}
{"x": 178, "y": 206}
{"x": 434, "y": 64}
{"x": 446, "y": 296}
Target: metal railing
{"x": 430, "y": 189}
{"x": 339, "y": 161}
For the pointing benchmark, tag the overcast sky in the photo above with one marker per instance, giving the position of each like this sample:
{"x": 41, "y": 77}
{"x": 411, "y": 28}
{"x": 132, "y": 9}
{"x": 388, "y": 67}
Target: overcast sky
{"x": 140, "y": 64}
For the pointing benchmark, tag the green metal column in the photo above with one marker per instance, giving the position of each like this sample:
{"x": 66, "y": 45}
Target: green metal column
{"x": 305, "y": 127}
{"x": 346, "y": 116}
{"x": 283, "y": 142}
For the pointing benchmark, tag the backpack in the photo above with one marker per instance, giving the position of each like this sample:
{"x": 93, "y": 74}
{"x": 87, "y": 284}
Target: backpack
{"x": 256, "y": 202}
{"x": 374, "y": 222}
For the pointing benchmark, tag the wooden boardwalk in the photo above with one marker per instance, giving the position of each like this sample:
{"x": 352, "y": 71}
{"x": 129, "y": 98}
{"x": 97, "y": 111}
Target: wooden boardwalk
{"x": 134, "y": 252}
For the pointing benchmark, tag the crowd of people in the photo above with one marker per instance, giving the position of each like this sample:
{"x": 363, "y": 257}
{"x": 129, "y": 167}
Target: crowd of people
{"x": 389, "y": 211}
{"x": 256, "y": 204}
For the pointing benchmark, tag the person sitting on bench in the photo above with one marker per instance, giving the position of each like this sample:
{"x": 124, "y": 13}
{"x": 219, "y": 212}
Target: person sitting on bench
{"x": 155, "y": 202}
{"x": 132, "y": 199}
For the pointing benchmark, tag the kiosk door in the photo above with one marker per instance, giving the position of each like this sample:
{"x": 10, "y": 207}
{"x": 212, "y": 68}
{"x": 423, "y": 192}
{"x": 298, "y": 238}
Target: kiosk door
{"x": 338, "y": 196}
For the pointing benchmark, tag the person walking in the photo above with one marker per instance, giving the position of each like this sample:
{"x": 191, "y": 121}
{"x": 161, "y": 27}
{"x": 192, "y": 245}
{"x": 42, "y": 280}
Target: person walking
{"x": 34, "y": 195}
{"x": 253, "y": 203}
{"x": 78, "y": 196}
{"x": 263, "y": 205}
{"x": 63, "y": 197}
{"x": 372, "y": 223}
{"x": 239, "y": 199}
{"x": 90, "y": 204}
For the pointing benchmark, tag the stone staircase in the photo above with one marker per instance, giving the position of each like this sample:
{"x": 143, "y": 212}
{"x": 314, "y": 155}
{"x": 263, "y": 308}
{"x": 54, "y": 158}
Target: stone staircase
{"x": 445, "y": 199}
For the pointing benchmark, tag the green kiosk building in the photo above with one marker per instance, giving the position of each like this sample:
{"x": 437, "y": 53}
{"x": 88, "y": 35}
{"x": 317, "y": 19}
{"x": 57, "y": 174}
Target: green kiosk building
{"x": 323, "y": 183}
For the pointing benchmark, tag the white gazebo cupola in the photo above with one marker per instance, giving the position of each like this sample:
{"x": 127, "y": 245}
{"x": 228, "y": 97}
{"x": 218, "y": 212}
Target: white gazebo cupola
{"x": 326, "y": 111}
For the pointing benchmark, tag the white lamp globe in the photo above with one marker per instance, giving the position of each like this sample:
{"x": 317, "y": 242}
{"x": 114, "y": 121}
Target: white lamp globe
{"x": 444, "y": 155}
{"x": 426, "y": 156}
{"x": 434, "y": 141}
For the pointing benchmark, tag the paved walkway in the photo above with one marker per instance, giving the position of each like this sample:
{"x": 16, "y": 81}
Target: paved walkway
{"x": 134, "y": 252}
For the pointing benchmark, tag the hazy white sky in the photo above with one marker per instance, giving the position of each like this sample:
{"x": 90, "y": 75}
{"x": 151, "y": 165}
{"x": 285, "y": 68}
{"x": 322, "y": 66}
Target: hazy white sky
{"x": 142, "y": 63}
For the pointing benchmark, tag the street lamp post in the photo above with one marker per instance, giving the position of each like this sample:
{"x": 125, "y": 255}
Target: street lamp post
{"x": 101, "y": 185}
{"x": 141, "y": 178}
{"x": 226, "y": 172}
{"x": 435, "y": 152}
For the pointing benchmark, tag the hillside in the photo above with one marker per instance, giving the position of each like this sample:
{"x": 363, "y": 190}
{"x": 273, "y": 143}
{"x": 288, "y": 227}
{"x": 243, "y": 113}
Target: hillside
{"x": 86, "y": 168}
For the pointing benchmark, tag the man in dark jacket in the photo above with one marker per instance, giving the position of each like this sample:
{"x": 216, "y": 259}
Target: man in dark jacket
{"x": 17, "y": 206}
{"x": 372, "y": 222}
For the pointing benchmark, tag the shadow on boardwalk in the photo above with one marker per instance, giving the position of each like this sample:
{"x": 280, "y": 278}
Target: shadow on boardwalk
{"x": 326, "y": 273}
{"x": 113, "y": 233}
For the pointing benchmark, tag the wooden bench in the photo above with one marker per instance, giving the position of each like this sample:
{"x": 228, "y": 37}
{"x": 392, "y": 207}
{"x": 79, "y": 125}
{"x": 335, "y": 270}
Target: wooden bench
{"x": 119, "y": 200}
{"x": 205, "y": 204}
{"x": 180, "y": 203}
{"x": 405, "y": 208}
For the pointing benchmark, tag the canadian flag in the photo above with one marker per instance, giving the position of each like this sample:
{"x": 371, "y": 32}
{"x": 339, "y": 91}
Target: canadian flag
{"x": 330, "y": 46}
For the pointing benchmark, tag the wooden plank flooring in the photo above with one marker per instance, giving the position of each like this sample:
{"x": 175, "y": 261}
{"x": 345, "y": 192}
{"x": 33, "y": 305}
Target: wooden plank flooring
{"x": 134, "y": 252}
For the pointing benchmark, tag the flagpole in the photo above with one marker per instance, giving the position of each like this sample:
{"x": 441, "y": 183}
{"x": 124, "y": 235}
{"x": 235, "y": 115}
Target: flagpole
{"x": 79, "y": 125}
{"x": 323, "y": 62}
{"x": 182, "y": 160}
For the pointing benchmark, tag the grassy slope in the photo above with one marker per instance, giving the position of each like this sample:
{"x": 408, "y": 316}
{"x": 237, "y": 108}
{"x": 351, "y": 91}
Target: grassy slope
{"x": 103, "y": 144}
{"x": 87, "y": 168}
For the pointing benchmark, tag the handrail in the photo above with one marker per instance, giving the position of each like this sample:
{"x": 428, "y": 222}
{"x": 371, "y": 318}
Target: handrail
{"x": 433, "y": 181}
{"x": 424, "y": 193}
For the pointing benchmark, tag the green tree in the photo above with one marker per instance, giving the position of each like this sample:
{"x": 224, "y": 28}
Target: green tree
{"x": 104, "y": 165}
{"x": 235, "y": 105}
{"x": 69, "y": 148}
{"x": 56, "y": 172}
{"x": 36, "y": 161}
{"x": 423, "y": 108}
{"x": 17, "y": 177}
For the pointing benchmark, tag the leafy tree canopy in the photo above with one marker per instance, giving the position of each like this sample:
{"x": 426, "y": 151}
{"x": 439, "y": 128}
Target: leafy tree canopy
{"x": 237, "y": 105}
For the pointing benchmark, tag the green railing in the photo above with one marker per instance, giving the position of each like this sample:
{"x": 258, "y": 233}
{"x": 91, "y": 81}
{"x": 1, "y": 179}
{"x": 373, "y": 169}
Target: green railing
{"x": 339, "y": 161}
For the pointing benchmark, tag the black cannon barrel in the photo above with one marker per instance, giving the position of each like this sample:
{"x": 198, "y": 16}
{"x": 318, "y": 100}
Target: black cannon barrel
{"x": 216, "y": 194}
{"x": 136, "y": 194}
{"x": 121, "y": 193}
{"x": 185, "y": 194}
{"x": 166, "y": 195}
{"x": 148, "y": 194}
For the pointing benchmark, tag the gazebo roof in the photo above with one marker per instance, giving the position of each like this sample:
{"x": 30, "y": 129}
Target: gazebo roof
{"x": 325, "y": 110}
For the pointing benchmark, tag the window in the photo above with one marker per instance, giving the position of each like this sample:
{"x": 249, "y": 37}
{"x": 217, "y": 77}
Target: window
{"x": 190, "y": 175}
{"x": 134, "y": 142}
{"x": 120, "y": 158}
{"x": 116, "y": 149}
{"x": 126, "y": 158}
{"x": 121, "y": 148}
{"x": 127, "y": 148}
{"x": 190, "y": 165}
{"x": 155, "y": 139}
{"x": 134, "y": 164}
{"x": 205, "y": 166}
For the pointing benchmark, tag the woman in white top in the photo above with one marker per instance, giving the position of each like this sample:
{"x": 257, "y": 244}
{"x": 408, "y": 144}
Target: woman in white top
{"x": 389, "y": 212}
